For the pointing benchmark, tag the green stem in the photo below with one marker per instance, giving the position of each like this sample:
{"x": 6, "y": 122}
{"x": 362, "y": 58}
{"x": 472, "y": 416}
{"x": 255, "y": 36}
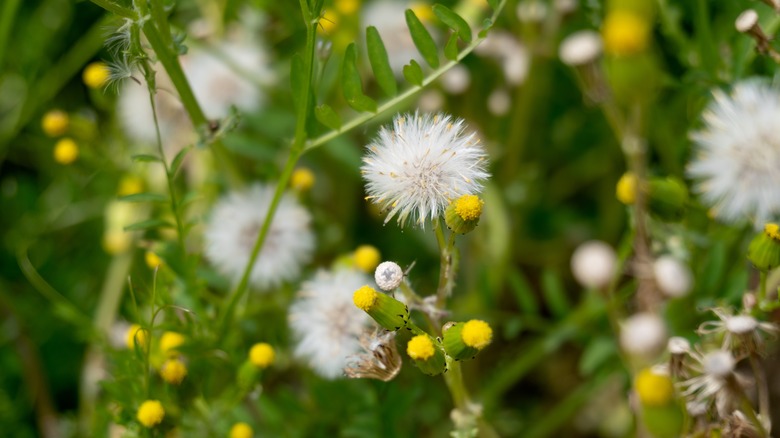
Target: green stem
{"x": 762, "y": 287}
{"x": 115, "y": 8}
{"x": 7, "y": 17}
{"x": 761, "y": 386}
{"x": 295, "y": 153}
{"x": 746, "y": 406}
{"x": 414, "y": 299}
{"x": 454, "y": 380}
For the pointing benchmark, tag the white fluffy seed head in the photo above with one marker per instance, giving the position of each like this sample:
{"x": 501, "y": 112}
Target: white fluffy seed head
{"x": 580, "y": 48}
{"x": 746, "y": 20}
{"x": 678, "y": 345}
{"x": 326, "y": 323}
{"x": 673, "y": 277}
{"x": 416, "y": 167}
{"x": 643, "y": 334}
{"x": 593, "y": 264}
{"x": 741, "y": 324}
{"x": 235, "y": 223}
{"x": 737, "y": 154}
{"x": 718, "y": 363}
{"x": 388, "y": 275}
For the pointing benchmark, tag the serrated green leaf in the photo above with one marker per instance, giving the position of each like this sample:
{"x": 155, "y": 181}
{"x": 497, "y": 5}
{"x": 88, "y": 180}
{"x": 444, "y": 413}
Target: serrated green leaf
{"x": 297, "y": 79}
{"x": 178, "y": 160}
{"x": 146, "y": 158}
{"x": 148, "y": 225}
{"x": 422, "y": 39}
{"x": 453, "y": 21}
{"x": 327, "y": 116}
{"x": 413, "y": 73}
{"x": 380, "y": 64}
{"x": 351, "y": 85}
{"x": 144, "y": 197}
{"x": 451, "y": 49}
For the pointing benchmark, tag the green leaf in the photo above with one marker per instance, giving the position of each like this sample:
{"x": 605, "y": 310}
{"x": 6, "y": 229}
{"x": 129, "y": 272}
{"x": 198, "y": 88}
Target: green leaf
{"x": 554, "y": 293}
{"x": 453, "y": 21}
{"x": 327, "y": 116}
{"x": 451, "y": 49}
{"x": 178, "y": 160}
{"x": 493, "y": 4}
{"x": 413, "y": 73}
{"x": 422, "y": 39}
{"x": 380, "y": 63}
{"x": 599, "y": 351}
{"x": 144, "y": 197}
{"x": 146, "y": 158}
{"x": 149, "y": 225}
{"x": 298, "y": 79}
{"x": 350, "y": 83}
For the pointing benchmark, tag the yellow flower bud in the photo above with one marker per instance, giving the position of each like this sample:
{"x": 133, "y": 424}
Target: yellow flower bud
{"x": 96, "y": 74}
{"x": 262, "y": 355}
{"x": 55, "y": 123}
{"x": 150, "y": 413}
{"x": 169, "y": 341}
{"x": 625, "y": 33}
{"x": 367, "y": 258}
{"x": 137, "y": 335}
{"x": 173, "y": 371}
{"x": 241, "y": 430}
{"x": 66, "y": 151}
{"x": 652, "y": 388}
{"x": 302, "y": 179}
{"x": 625, "y": 191}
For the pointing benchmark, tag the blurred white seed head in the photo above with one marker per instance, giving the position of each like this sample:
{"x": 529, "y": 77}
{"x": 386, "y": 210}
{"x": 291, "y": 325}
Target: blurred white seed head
{"x": 678, "y": 345}
{"x": 643, "y": 334}
{"x": 718, "y": 363}
{"x": 510, "y": 54}
{"x": 456, "y": 80}
{"x": 580, "y": 48}
{"x": 431, "y": 100}
{"x": 499, "y": 102}
{"x": 388, "y": 276}
{"x": 672, "y": 276}
{"x": 746, "y": 21}
{"x": 531, "y": 11}
{"x": 741, "y": 324}
{"x": 565, "y": 7}
{"x": 593, "y": 264}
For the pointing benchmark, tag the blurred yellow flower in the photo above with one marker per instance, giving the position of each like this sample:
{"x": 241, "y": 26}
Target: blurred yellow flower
{"x": 241, "y": 430}
{"x": 261, "y": 355}
{"x": 367, "y": 258}
{"x": 625, "y": 33}
{"x": 96, "y": 74}
{"x": 66, "y": 151}
{"x": 151, "y": 413}
{"x": 55, "y": 123}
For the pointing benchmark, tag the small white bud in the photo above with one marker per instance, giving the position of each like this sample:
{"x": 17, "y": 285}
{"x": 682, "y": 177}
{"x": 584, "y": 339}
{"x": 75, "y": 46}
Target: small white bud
{"x": 456, "y": 80}
{"x": 580, "y": 48}
{"x": 678, "y": 345}
{"x": 643, "y": 334}
{"x": 531, "y": 11}
{"x": 593, "y": 264}
{"x": 672, "y": 276}
{"x": 719, "y": 363}
{"x": 431, "y": 101}
{"x": 388, "y": 276}
{"x": 746, "y": 21}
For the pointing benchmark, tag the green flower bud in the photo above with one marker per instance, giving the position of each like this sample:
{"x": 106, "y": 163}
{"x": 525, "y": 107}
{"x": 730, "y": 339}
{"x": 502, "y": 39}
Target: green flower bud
{"x": 386, "y": 310}
{"x": 764, "y": 250}
{"x": 462, "y": 215}
{"x": 465, "y": 340}
{"x": 428, "y": 358}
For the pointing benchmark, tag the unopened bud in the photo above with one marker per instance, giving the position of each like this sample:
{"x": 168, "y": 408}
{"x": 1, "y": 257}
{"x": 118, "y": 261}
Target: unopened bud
{"x": 465, "y": 340}
{"x": 764, "y": 250}
{"x": 384, "y": 309}
{"x": 428, "y": 358}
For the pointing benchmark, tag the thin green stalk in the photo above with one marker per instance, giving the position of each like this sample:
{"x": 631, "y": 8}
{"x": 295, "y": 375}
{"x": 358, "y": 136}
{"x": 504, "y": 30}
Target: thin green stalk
{"x": 7, "y": 19}
{"x": 761, "y": 386}
{"x": 762, "y": 287}
{"x": 746, "y": 406}
{"x": 115, "y": 8}
{"x": 454, "y": 380}
{"x": 295, "y": 153}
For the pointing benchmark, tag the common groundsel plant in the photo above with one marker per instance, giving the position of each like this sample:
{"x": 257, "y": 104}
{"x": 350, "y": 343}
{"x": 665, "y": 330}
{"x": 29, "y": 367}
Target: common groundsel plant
{"x": 389, "y": 218}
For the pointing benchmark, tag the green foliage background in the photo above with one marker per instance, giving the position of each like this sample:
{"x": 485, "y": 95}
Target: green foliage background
{"x": 555, "y": 164}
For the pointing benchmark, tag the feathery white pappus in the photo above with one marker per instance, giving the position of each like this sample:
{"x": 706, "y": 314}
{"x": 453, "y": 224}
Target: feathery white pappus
{"x": 234, "y": 225}
{"x": 416, "y": 167}
{"x": 738, "y": 153}
{"x": 326, "y": 323}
